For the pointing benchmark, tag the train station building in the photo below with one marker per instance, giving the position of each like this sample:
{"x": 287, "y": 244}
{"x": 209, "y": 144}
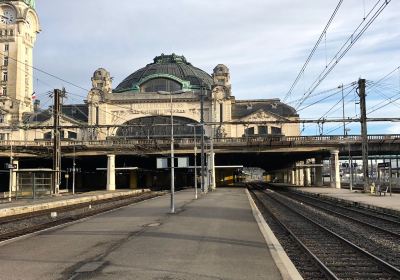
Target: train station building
{"x": 99, "y": 131}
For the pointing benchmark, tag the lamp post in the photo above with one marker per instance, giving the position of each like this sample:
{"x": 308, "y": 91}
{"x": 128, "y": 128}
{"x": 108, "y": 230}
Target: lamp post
{"x": 172, "y": 207}
{"x": 73, "y": 172}
{"x": 10, "y": 183}
{"x": 203, "y": 189}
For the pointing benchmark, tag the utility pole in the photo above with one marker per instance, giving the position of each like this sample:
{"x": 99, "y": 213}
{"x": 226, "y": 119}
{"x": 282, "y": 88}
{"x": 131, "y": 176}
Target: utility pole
{"x": 364, "y": 133}
{"x": 57, "y": 95}
{"x": 73, "y": 172}
{"x": 202, "y": 138}
{"x": 344, "y": 122}
{"x": 11, "y": 170}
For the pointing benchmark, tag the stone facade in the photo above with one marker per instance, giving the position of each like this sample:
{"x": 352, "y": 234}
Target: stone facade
{"x": 140, "y": 106}
{"x": 119, "y": 107}
{"x": 19, "y": 26}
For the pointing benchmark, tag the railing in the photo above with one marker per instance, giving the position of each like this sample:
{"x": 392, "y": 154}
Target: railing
{"x": 298, "y": 140}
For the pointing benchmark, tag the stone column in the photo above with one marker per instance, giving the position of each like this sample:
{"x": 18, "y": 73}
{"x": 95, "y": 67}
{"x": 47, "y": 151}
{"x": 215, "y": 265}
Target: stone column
{"x": 318, "y": 173}
{"x": 335, "y": 172}
{"x": 293, "y": 177}
{"x": 307, "y": 176}
{"x": 300, "y": 175}
{"x": 110, "y": 172}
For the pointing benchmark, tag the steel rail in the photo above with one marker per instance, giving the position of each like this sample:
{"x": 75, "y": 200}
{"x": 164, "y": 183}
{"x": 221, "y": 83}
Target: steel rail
{"x": 383, "y": 264}
{"x": 325, "y": 270}
{"x": 370, "y": 215}
{"x": 395, "y": 234}
{"x": 119, "y": 203}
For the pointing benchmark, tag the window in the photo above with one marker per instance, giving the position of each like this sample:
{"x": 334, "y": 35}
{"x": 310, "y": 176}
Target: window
{"x": 5, "y": 61}
{"x": 161, "y": 84}
{"x": 276, "y": 130}
{"x": 221, "y": 81}
{"x": 5, "y": 76}
{"x": 263, "y": 130}
{"x": 47, "y": 135}
{"x": 4, "y": 91}
{"x": 249, "y": 131}
{"x": 6, "y": 47}
{"x": 2, "y": 118}
{"x": 72, "y": 135}
{"x": 221, "y": 112}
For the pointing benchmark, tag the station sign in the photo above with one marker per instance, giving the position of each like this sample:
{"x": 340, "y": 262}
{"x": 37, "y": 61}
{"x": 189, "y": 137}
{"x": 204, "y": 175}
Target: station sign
{"x": 179, "y": 162}
{"x": 10, "y": 166}
{"x": 77, "y": 169}
{"x": 384, "y": 164}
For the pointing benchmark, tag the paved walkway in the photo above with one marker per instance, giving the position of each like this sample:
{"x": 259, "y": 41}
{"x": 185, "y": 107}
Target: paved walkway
{"x": 389, "y": 202}
{"x": 214, "y": 237}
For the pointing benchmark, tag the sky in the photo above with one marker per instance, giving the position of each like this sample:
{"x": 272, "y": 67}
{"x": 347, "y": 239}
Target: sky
{"x": 264, "y": 43}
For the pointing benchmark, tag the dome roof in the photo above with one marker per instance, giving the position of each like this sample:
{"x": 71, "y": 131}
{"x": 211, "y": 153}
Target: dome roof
{"x": 168, "y": 66}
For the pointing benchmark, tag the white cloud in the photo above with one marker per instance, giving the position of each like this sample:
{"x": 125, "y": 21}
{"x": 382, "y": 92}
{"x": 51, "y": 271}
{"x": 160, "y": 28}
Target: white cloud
{"x": 264, "y": 43}
{"x": 393, "y": 128}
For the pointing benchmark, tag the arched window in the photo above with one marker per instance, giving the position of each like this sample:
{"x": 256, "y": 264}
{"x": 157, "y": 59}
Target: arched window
{"x": 160, "y": 84}
{"x": 158, "y": 127}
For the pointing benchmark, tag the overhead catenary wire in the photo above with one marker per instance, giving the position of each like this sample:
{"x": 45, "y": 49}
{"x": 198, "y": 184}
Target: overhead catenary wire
{"x": 325, "y": 98}
{"x": 349, "y": 43}
{"x": 323, "y": 34}
{"x": 382, "y": 104}
{"x": 338, "y": 102}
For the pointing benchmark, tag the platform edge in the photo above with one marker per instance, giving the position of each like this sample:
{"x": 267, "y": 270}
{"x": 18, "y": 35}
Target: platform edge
{"x": 281, "y": 259}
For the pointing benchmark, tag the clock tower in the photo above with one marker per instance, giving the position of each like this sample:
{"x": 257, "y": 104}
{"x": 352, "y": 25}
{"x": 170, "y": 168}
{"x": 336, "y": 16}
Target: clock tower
{"x": 19, "y": 25}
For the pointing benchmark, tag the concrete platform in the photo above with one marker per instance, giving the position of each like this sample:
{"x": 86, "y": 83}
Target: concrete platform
{"x": 214, "y": 237}
{"x": 368, "y": 200}
{"x": 22, "y": 206}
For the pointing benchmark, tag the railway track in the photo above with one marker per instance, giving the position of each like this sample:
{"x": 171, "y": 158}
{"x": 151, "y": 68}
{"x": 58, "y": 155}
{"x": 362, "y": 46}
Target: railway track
{"x": 334, "y": 256}
{"x": 20, "y": 225}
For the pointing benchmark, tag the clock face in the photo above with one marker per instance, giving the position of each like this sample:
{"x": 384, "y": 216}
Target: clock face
{"x": 30, "y": 21}
{"x": 8, "y": 15}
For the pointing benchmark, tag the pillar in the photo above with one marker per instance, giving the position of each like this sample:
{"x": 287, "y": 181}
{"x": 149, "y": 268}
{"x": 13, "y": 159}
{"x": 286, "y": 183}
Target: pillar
{"x": 14, "y": 186}
{"x": 213, "y": 185}
{"x": 110, "y": 172}
{"x": 300, "y": 174}
{"x": 335, "y": 172}
{"x": 318, "y": 172}
{"x": 307, "y": 176}
{"x": 293, "y": 177}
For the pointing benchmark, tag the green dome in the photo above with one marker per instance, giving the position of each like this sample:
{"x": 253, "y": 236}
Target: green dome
{"x": 172, "y": 67}
{"x": 30, "y": 3}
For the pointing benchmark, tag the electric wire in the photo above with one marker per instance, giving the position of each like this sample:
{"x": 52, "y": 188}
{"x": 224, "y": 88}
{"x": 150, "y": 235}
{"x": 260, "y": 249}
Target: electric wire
{"x": 313, "y": 51}
{"x": 349, "y": 43}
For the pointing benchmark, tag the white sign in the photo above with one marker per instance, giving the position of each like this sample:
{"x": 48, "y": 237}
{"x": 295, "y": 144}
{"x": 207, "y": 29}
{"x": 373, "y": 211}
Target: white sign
{"x": 162, "y": 163}
{"x": 183, "y": 162}
{"x": 180, "y": 162}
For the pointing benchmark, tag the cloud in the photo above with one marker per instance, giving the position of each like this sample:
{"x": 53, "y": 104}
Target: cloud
{"x": 264, "y": 43}
{"x": 393, "y": 128}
